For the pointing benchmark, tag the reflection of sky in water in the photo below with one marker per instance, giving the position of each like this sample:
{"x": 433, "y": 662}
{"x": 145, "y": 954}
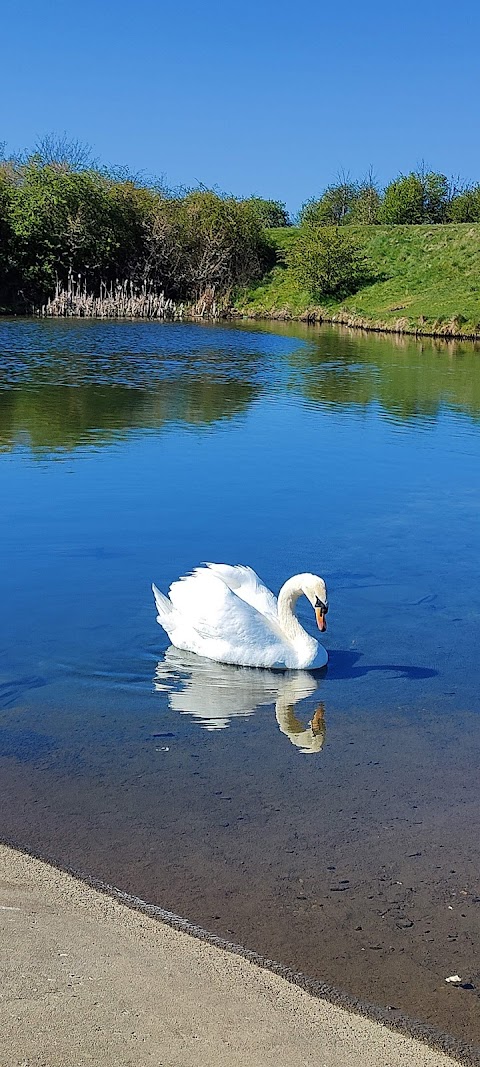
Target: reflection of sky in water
{"x": 352, "y": 457}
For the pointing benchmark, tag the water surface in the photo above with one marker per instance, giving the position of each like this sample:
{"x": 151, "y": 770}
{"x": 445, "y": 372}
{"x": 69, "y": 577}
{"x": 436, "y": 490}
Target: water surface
{"x": 328, "y": 821}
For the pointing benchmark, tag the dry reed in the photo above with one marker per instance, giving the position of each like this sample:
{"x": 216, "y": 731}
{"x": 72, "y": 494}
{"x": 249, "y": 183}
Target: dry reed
{"x": 123, "y": 300}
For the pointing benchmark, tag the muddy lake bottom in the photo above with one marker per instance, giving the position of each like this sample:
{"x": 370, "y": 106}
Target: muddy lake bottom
{"x": 132, "y": 452}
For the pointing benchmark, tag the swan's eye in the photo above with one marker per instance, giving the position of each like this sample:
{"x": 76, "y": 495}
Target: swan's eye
{"x": 323, "y": 607}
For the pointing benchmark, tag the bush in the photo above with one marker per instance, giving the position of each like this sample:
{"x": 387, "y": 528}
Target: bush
{"x": 333, "y": 207}
{"x": 65, "y": 221}
{"x": 327, "y": 261}
{"x": 204, "y": 241}
{"x": 465, "y": 206}
{"x": 56, "y": 221}
{"x": 271, "y": 214}
{"x": 365, "y": 209}
{"x": 8, "y": 278}
{"x": 416, "y": 198}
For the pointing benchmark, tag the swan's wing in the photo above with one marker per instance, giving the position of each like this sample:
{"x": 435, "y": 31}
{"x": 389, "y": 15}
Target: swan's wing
{"x": 248, "y": 586}
{"x": 233, "y": 630}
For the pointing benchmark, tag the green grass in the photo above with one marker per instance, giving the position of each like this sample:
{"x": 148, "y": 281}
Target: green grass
{"x": 428, "y": 279}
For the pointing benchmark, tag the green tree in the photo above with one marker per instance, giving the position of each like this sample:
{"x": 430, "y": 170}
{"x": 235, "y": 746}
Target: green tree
{"x": 436, "y": 196}
{"x": 365, "y": 208}
{"x": 66, "y": 221}
{"x": 419, "y": 197}
{"x": 403, "y": 201}
{"x": 327, "y": 261}
{"x": 465, "y": 205}
{"x": 270, "y": 213}
{"x": 8, "y": 275}
{"x": 334, "y": 206}
{"x": 204, "y": 241}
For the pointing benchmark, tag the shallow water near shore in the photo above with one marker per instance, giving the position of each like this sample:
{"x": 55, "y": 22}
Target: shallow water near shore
{"x": 329, "y": 821}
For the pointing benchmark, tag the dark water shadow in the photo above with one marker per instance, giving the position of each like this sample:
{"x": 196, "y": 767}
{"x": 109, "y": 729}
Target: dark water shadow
{"x": 13, "y": 690}
{"x": 344, "y": 664}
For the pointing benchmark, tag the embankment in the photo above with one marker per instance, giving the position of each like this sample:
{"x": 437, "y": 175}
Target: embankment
{"x": 426, "y": 281}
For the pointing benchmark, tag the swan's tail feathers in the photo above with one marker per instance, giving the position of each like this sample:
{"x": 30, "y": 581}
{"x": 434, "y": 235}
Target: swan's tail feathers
{"x": 164, "y": 607}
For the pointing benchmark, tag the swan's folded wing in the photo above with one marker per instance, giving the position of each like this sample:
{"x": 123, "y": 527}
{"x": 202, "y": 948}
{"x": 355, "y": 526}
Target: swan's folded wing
{"x": 246, "y": 584}
{"x": 234, "y": 629}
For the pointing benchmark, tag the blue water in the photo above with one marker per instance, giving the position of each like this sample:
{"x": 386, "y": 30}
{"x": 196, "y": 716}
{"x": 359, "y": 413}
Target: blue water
{"x": 133, "y": 452}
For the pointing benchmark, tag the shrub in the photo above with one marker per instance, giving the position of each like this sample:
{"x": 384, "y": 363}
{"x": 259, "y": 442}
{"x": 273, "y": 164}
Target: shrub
{"x": 271, "y": 214}
{"x": 465, "y": 206}
{"x": 66, "y": 221}
{"x": 204, "y": 241}
{"x": 327, "y": 261}
{"x": 365, "y": 209}
{"x": 8, "y": 280}
{"x": 333, "y": 207}
{"x": 416, "y": 198}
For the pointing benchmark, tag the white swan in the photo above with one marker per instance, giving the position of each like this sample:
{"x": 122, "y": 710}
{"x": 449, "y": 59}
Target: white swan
{"x": 227, "y": 614}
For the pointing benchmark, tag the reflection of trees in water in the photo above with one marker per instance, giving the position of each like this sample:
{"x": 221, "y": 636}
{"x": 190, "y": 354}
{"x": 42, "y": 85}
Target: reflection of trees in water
{"x": 407, "y": 377}
{"x": 338, "y": 369}
{"x": 64, "y": 417}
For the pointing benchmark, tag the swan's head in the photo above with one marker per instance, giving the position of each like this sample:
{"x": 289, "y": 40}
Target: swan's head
{"x": 316, "y": 592}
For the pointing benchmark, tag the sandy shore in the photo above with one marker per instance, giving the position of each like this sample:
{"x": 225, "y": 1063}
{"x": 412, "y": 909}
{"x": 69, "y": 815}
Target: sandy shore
{"x": 87, "y": 980}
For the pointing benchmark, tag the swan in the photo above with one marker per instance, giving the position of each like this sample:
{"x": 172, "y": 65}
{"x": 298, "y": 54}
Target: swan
{"x": 227, "y": 614}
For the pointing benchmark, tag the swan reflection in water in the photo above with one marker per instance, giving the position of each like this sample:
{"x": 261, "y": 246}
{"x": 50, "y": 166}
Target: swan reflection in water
{"x": 214, "y": 693}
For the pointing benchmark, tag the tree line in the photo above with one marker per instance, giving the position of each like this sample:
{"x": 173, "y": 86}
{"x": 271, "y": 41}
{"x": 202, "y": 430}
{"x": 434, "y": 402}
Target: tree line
{"x": 421, "y": 197}
{"x": 63, "y": 216}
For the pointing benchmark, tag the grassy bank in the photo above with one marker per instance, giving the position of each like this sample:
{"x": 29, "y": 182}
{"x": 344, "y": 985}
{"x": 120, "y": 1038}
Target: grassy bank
{"x": 426, "y": 280}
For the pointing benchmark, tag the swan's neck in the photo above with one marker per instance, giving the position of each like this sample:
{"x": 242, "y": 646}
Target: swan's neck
{"x": 287, "y": 599}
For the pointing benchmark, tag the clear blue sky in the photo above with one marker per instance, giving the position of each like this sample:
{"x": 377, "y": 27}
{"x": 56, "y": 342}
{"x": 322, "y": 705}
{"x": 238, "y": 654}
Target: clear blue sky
{"x": 271, "y": 98}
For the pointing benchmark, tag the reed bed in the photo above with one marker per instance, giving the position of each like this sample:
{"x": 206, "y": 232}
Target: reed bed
{"x": 123, "y": 300}
{"x": 119, "y": 300}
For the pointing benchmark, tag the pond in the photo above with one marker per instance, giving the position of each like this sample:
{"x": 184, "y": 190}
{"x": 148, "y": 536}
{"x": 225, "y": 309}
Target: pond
{"x": 132, "y": 452}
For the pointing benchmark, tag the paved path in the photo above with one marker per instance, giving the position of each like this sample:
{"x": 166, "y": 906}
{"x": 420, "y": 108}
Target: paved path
{"x": 87, "y": 982}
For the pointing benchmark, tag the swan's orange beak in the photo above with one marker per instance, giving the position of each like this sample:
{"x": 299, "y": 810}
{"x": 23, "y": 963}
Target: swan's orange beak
{"x": 321, "y": 620}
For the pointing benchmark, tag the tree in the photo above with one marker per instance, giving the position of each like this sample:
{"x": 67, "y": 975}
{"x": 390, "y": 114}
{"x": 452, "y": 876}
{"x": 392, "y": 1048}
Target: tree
{"x": 270, "y": 213}
{"x": 334, "y": 206}
{"x": 327, "y": 261}
{"x": 8, "y": 276}
{"x": 436, "y": 196}
{"x": 365, "y": 208}
{"x": 60, "y": 150}
{"x": 204, "y": 241}
{"x": 65, "y": 221}
{"x": 465, "y": 205}
{"x": 403, "y": 201}
{"x": 419, "y": 197}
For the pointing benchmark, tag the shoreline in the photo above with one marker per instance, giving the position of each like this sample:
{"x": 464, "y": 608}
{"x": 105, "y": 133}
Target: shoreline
{"x": 310, "y": 317}
{"x": 317, "y": 317}
{"x": 407, "y": 918}
{"x": 130, "y": 939}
